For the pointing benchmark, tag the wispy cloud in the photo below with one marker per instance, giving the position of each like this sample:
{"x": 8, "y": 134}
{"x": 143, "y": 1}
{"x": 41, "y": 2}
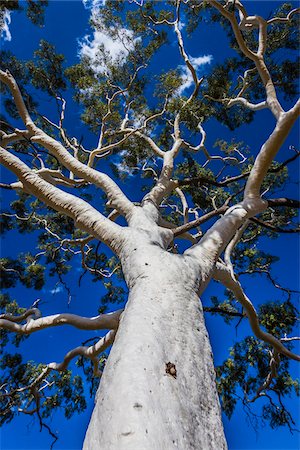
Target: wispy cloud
{"x": 115, "y": 43}
{"x": 117, "y": 46}
{"x": 121, "y": 165}
{"x": 93, "y": 4}
{"x": 5, "y": 20}
{"x": 198, "y": 63}
{"x": 181, "y": 25}
{"x": 56, "y": 290}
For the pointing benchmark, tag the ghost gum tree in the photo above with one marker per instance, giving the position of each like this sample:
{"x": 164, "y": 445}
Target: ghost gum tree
{"x": 158, "y": 388}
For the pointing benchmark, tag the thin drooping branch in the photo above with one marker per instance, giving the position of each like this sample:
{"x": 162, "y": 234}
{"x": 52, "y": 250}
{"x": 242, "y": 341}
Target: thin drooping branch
{"x": 102, "y": 272}
{"x": 274, "y": 363}
{"x": 274, "y": 228}
{"x": 90, "y": 352}
{"x": 266, "y": 272}
{"x": 195, "y": 181}
{"x": 35, "y": 388}
{"x": 85, "y": 216}
{"x": 223, "y": 274}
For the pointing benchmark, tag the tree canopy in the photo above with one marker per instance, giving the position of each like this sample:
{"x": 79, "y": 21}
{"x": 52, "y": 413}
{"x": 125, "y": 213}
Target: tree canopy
{"x": 138, "y": 92}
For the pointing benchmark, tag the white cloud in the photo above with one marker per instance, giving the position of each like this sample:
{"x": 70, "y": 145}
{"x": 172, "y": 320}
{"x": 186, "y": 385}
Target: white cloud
{"x": 5, "y": 21}
{"x": 117, "y": 47}
{"x": 181, "y": 25}
{"x": 136, "y": 120}
{"x": 56, "y": 290}
{"x": 206, "y": 59}
{"x": 121, "y": 166}
{"x": 187, "y": 76}
{"x": 93, "y": 4}
{"x": 123, "y": 169}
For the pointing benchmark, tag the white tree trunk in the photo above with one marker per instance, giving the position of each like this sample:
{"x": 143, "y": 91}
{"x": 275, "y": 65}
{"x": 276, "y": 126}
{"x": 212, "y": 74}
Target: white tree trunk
{"x": 139, "y": 405}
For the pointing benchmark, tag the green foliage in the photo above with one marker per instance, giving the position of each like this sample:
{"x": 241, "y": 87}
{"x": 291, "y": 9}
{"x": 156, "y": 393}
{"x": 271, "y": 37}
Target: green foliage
{"x": 63, "y": 391}
{"x": 46, "y": 69}
{"x": 278, "y": 318}
{"x": 35, "y": 9}
{"x": 243, "y": 374}
{"x": 115, "y": 295}
{"x": 88, "y": 369}
{"x": 8, "y": 306}
{"x": 247, "y": 368}
{"x": 226, "y": 308}
{"x": 24, "y": 269}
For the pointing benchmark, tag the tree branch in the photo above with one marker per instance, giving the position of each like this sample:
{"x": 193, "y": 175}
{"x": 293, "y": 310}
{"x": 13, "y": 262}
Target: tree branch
{"x": 269, "y": 150}
{"x": 85, "y": 216}
{"x": 274, "y": 228}
{"x": 216, "y": 309}
{"x": 90, "y": 352}
{"x": 227, "y": 181}
{"x": 114, "y": 193}
{"x": 101, "y": 322}
{"x": 222, "y": 274}
{"x": 258, "y": 57}
{"x": 195, "y": 223}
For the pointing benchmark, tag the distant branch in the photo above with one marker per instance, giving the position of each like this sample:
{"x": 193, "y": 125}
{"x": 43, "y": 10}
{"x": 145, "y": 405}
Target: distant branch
{"x": 217, "y": 309}
{"x": 195, "y": 223}
{"x": 195, "y": 181}
{"x": 284, "y": 19}
{"x": 274, "y": 228}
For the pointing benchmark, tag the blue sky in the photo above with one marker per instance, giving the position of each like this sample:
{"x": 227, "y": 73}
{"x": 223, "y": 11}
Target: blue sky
{"x": 66, "y": 24}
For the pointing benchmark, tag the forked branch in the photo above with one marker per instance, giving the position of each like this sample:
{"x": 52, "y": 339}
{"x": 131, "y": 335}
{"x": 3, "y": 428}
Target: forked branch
{"x": 86, "y": 217}
{"x": 55, "y": 148}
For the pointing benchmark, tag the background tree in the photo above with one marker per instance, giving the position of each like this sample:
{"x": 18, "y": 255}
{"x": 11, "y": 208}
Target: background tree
{"x": 160, "y": 370}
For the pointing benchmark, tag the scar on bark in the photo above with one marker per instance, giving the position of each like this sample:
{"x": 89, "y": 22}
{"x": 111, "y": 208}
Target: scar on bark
{"x": 171, "y": 369}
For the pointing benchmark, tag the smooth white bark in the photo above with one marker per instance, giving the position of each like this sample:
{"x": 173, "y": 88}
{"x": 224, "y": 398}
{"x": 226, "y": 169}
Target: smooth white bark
{"x": 139, "y": 404}
{"x": 85, "y": 216}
